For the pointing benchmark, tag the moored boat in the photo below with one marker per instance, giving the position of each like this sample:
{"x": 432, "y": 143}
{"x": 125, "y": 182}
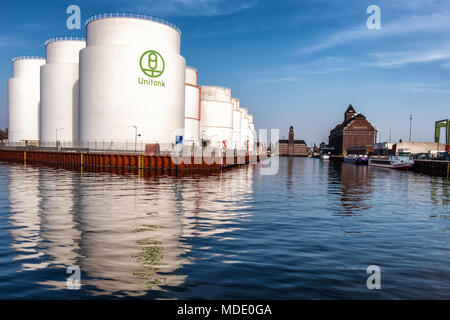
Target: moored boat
{"x": 392, "y": 162}
{"x": 356, "y": 159}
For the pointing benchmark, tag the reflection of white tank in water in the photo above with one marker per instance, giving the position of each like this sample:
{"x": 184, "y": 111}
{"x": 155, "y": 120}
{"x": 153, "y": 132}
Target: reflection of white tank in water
{"x": 25, "y": 216}
{"x": 217, "y": 116}
{"x": 58, "y": 228}
{"x": 59, "y": 91}
{"x": 192, "y": 108}
{"x": 130, "y": 235}
{"x": 59, "y": 231}
{"x": 218, "y": 201}
{"x": 131, "y": 74}
{"x": 23, "y": 99}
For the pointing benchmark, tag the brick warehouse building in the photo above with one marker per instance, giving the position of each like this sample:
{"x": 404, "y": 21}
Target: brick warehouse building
{"x": 354, "y": 131}
{"x": 292, "y": 147}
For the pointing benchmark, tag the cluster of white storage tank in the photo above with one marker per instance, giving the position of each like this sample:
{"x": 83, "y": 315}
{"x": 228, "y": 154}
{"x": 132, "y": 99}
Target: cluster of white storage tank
{"x": 126, "y": 81}
{"x": 60, "y": 90}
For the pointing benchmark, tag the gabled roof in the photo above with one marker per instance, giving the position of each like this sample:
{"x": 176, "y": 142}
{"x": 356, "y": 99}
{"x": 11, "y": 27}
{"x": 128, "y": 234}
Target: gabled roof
{"x": 344, "y": 124}
{"x": 350, "y": 109}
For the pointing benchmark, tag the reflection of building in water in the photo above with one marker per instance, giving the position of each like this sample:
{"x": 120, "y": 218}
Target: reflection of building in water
{"x": 215, "y": 208}
{"x": 440, "y": 191}
{"x": 25, "y": 216}
{"x": 290, "y": 169}
{"x": 130, "y": 234}
{"x": 356, "y": 188}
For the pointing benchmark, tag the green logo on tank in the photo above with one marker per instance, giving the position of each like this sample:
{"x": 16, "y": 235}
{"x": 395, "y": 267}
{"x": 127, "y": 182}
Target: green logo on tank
{"x": 152, "y": 63}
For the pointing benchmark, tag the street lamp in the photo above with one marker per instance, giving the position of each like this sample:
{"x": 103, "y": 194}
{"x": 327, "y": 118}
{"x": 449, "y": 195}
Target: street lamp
{"x": 136, "y": 135}
{"x": 254, "y": 135}
{"x": 410, "y": 126}
{"x": 56, "y": 137}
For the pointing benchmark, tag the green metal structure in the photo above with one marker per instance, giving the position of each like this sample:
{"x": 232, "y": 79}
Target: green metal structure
{"x": 442, "y": 124}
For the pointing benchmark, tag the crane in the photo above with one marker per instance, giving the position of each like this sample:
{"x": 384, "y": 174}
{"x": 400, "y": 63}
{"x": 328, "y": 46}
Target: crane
{"x": 442, "y": 124}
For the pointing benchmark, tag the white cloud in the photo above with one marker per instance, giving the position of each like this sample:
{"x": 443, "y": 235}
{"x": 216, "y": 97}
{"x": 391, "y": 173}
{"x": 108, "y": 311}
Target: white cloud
{"x": 416, "y": 87}
{"x": 400, "y": 58}
{"x": 13, "y": 41}
{"x": 437, "y": 22}
{"x": 274, "y": 80}
{"x": 189, "y": 7}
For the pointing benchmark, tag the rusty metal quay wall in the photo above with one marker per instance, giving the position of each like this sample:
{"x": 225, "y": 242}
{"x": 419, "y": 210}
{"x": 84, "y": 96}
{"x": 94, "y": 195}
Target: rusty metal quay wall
{"x": 130, "y": 161}
{"x": 433, "y": 167}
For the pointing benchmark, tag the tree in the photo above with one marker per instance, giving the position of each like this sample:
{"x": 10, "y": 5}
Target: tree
{"x": 4, "y": 134}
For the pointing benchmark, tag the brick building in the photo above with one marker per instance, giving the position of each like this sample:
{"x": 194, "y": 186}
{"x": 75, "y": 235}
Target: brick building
{"x": 354, "y": 131}
{"x": 292, "y": 147}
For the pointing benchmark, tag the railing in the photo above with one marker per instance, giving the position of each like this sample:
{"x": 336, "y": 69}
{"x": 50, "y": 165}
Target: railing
{"x": 128, "y": 147}
{"x": 125, "y": 146}
{"x": 56, "y": 39}
{"x": 133, "y": 16}
{"x": 27, "y": 58}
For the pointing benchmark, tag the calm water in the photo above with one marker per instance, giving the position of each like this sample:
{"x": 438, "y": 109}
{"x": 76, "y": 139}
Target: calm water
{"x": 309, "y": 232}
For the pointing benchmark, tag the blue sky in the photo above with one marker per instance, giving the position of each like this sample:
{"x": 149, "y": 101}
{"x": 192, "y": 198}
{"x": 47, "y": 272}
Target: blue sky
{"x": 290, "y": 62}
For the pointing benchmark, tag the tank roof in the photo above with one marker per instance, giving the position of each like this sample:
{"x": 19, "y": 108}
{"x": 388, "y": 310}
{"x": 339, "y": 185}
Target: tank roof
{"x": 192, "y": 68}
{"x": 56, "y": 39}
{"x": 138, "y": 16}
{"x": 27, "y": 58}
{"x": 217, "y": 87}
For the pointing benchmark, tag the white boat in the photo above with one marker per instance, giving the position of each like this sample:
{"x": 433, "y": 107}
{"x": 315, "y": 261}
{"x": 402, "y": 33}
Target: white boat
{"x": 325, "y": 157}
{"x": 392, "y": 162}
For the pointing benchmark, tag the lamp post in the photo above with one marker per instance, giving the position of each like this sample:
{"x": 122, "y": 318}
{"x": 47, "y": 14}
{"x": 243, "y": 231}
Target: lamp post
{"x": 410, "y": 126}
{"x": 56, "y": 137}
{"x": 254, "y": 135}
{"x": 376, "y": 134}
{"x": 136, "y": 135}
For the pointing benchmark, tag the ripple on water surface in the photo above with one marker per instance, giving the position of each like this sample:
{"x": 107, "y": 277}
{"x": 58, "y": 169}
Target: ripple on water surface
{"x": 310, "y": 231}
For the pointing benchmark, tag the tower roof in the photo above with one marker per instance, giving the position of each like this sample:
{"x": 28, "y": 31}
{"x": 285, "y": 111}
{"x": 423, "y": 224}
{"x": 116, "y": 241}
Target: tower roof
{"x": 350, "y": 109}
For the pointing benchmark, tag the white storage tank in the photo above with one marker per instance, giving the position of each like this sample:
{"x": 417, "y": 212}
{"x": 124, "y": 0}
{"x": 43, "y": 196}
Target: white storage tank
{"x": 131, "y": 76}
{"x": 251, "y": 134}
{"x": 236, "y": 124}
{"x": 244, "y": 129}
{"x": 60, "y": 91}
{"x": 23, "y": 99}
{"x": 192, "y": 108}
{"x": 217, "y": 116}
{"x": 191, "y": 76}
